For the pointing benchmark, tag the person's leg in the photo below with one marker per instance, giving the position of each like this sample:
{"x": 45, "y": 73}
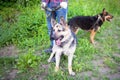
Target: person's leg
{"x": 49, "y": 16}
{"x": 49, "y": 26}
{"x": 61, "y": 12}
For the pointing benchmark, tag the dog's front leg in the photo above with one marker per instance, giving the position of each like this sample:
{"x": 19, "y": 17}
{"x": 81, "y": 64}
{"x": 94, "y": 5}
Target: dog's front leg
{"x": 70, "y": 58}
{"x": 57, "y": 57}
{"x": 51, "y": 56}
{"x": 92, "y": 35}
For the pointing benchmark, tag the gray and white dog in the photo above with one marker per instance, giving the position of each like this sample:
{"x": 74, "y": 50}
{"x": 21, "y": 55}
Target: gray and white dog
{"x": 64, "y": 43}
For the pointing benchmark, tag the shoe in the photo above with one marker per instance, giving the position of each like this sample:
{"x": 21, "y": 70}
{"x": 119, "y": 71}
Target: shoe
{"x": 49, "y": 50}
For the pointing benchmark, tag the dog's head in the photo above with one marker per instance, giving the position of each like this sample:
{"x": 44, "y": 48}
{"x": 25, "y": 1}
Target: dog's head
{"x": 60, "y": 31}
{"x": 106, "y": 16}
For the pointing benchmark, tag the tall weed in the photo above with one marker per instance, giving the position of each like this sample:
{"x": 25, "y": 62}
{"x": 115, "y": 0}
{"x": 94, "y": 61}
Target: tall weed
{"x": 27, "y": 62}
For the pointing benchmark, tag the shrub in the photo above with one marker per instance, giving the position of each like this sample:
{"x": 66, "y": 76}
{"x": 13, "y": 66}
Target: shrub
{"x": 27, "y": 62}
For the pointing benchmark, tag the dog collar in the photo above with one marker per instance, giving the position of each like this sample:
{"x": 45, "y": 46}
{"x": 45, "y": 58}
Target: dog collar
{"x": 99, "y": 18}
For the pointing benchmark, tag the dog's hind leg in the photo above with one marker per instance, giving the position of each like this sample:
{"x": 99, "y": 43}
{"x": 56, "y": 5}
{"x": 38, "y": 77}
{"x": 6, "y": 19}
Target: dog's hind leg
{"x": 70, "y": 58}
{"x": 92, "y": 35}
{"x": 76, "y": 30}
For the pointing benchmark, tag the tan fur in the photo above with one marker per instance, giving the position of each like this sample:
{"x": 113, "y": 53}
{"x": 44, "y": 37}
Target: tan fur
{"x": 57, "y": 50}
{"x": 92, "y": 35}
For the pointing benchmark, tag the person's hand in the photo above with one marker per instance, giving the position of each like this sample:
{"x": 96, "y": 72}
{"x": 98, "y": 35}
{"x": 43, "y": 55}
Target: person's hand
{"x": 63, "y": 5}
{"x": 43, "y": 5}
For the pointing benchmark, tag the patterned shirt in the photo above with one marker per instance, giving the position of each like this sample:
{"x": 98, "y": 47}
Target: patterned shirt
{"x": 53, "y": 3}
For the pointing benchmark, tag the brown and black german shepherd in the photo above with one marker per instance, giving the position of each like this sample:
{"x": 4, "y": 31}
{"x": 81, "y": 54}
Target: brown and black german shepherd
{"x": 89, "y": 23}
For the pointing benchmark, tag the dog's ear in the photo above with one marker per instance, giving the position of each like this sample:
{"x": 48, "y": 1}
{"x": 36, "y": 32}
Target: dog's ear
{"x": 62, "y": 21}
{"x": 53, "y": 22}
{"x": 104, "y": 11}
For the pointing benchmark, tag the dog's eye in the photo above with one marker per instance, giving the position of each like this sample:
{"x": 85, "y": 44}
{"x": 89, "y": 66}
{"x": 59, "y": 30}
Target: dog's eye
{"x": 107, "y": 13}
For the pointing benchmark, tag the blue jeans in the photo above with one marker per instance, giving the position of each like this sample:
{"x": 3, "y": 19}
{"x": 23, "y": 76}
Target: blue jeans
{"x": 57, "y": 14}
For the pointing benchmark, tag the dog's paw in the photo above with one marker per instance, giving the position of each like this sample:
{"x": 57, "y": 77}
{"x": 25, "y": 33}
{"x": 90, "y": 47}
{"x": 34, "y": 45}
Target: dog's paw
{"x": 95, "y": 43}
{"x": 92, "y": 42}
{"x": 72, "y": 73}
{"x": 56, "y": 69}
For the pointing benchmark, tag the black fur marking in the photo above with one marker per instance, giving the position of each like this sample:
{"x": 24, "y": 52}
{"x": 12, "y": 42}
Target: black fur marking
{"x": 65, "y": 42}
{"x": 72, "y": 43}
{"x": 85, "y": 22}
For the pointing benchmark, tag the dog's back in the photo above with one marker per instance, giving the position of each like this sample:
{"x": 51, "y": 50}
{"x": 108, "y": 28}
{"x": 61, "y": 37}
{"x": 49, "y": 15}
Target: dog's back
{"x": 83, "y": 22}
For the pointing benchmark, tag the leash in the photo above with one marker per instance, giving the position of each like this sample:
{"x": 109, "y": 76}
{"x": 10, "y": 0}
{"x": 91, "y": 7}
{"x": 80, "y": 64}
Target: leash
{"x": 51, "y": 10}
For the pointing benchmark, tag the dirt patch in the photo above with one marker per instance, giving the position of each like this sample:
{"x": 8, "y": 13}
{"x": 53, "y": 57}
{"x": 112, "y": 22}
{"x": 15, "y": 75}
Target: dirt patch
{"x": 9, "y": 51}
{"x": 94, "y": 78}
{"x": 98, "y": 62}
{"x": 87, "y": 73}
{"x": 11, "y": 75}
{"x": 104, "y": 70}
{"x": 118, "y": 46}
{"x": 116, "y": 55}
{"x": 45, "y": 67}
{"x": 115, "y": 76}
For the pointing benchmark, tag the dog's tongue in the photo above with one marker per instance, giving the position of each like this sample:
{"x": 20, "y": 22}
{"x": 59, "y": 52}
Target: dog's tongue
{"x": 58, "y": 42}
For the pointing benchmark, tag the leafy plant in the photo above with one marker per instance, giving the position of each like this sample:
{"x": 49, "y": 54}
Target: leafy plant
{"x": 27, "y": 62}
{"x": 26, "y": 3}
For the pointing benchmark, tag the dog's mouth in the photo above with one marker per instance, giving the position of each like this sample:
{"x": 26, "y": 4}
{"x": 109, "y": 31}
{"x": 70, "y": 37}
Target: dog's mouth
{"x": 109, "y": 18}
{"x": 58, "y": 40}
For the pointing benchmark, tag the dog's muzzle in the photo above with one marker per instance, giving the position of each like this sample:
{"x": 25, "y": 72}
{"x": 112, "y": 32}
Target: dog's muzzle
{"x": 109, "y": 18}
{"x": 58, "y": 40}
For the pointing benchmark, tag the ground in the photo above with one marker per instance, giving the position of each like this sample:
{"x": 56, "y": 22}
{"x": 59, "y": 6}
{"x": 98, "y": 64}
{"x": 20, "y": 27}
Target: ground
{"x": 99, "y": 67}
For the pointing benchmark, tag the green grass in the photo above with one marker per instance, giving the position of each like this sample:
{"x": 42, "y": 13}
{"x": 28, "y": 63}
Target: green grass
{"x": 6, "y": 64}
{"x": 110, "y": 63}
{"x": 26, "y": 28}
